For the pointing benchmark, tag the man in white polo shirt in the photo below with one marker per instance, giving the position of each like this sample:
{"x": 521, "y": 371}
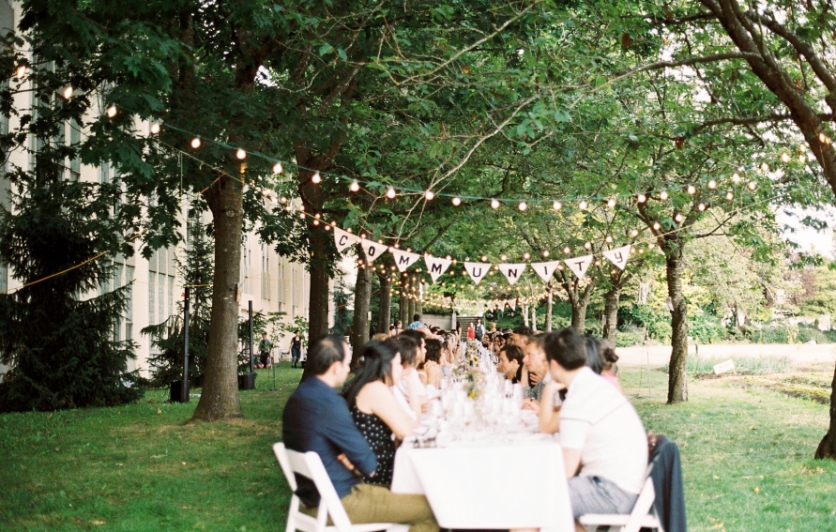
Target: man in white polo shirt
{"x": 604, "y": 442}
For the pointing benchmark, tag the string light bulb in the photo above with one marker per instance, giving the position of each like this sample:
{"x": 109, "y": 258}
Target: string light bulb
{"x": 429, "y": 195}
{"x": 729, "y": 195}
{"x": 587, "y": 245}
{"x": 241, "y": 154}
{"x": 390, "y": 193}
{"x": 752, "y": 185}
{"x": 277, "y": 168}
{"x": 566, "y": 250}
{"x": 664, "y": 195}
{"x": 824, "y": 139}
{"x": 608, "y": 239}
{"x": 611, "y": 203}
{"x": 546, "y": 253}
{"x": 657, "y": 226}
{"x": 642, "y": 198}
{"x": 68, "y": 93}
{"x": 484, "y": 258}
{"x": 557, "y": 205}
{"x": 111, "y": 111}
{"x": 494, "y": 204}
{"x": 764, "y": 167}
{"x": 503, "y": 258}
{"x": 691, "y": 189}
{"x": 701, "y": 207}
{"x": 583, "y": 204}
{"x": 678, "y": 217}
{"x": 634, "y": 233}
{"x": 457, "y": 201}
{"x": 155, "y": 128}
{"x": 735, "y": 178}
{"x": 354, "y": 186}
{"x": 196, "y": 142}
{"x": 712, "y": 184}
{"x": 523, "y": 206}
{"x": 316, "y": 178}
{"x": 20, "y": 72}
{"x": 526, "y": 256}
{"x": 785, "y": 157}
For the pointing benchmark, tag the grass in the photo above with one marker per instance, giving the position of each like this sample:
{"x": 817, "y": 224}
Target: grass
{"x": 747, "y": 458}
{"x": 742, "y": 365}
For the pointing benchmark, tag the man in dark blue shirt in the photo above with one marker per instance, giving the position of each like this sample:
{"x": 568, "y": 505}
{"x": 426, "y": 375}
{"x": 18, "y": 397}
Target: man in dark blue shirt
{"x": 316, "y": 418}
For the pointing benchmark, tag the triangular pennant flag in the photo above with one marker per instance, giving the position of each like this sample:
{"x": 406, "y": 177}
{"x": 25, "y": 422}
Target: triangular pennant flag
{"x": 512, "y": 272}
{"x": 404, "y": 259}
{"x": 372, "y": 249}
{"x": 618, "y": 256}
{"x": 513, "y": 304}
{"x": 343, "y": 239}
{"x": 477, "y": 270}
{"x": 545, "y": 269}
{"x": 436, "y": 266}
{"x": 579, "y": 265}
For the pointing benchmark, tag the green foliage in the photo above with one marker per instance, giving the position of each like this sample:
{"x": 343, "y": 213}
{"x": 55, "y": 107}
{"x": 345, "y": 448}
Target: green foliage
{"x": 56, "y": 338}
{"x": 167, "y": 338}
{"x": 705, "y": 327}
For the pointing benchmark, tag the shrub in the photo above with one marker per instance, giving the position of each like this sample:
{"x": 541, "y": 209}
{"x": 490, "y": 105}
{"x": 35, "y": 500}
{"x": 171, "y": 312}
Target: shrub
{"x": 742, "y": 365}
{"x": 627, "y": 339}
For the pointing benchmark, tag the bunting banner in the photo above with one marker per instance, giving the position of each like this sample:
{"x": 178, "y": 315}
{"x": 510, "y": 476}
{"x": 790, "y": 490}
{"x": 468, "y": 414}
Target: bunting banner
{"x": 545, "y": 269}
{"x": 404, "y": 259}
{"x": 512, "y": 272}
{"x": 579, "y": 265}
{"x": 344, "y": 239}
{"x": 372, "y": 249}
{"x": 618, "y": 256}
{"x": 477, "y": 270}
{"x": 436, "y": 266}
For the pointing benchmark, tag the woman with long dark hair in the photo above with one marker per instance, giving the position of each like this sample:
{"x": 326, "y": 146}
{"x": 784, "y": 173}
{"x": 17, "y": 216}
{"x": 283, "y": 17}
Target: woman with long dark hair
{"x": 374, "y": 408}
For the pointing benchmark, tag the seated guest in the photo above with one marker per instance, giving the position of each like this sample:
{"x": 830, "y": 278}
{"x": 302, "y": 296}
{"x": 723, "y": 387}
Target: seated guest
{"x": 409, "y": 392}
{"x": 448, "y": 349}
{"x": 521, "y": 335}
{"x": 608, "y": 358}
{"x": 603, "y": 440}
{"x": 535, "y": 365}
{"x": 510, "y": 363}
{"x": 430, "y": 368}
{"x": 416, "y": 322}
{"x": 317, "y": 419}
{"x": 373, "y": 408}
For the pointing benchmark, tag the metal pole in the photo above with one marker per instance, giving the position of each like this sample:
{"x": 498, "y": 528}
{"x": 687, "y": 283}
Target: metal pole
{"x": 184, "y": 389}
{"x": 251, "y": 334}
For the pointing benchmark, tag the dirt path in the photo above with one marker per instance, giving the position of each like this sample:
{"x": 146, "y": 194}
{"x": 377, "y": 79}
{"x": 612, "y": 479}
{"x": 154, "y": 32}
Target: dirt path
{"x": 800, "y": 354}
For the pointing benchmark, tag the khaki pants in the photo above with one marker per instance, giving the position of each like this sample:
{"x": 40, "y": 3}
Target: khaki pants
{"x": 375, "y": 504}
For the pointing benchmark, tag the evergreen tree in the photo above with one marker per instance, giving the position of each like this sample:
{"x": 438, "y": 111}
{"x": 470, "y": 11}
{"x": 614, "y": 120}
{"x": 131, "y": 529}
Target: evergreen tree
{"x": 197, "y": 270}
{"x": 57, "y": 341}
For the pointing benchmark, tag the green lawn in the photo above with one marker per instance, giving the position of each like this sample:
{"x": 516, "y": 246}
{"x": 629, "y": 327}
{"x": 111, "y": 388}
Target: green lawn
{"x": 746, "y": 456}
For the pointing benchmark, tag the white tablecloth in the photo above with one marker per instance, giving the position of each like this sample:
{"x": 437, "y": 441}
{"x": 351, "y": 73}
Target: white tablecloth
{"x": 517, "y": 484}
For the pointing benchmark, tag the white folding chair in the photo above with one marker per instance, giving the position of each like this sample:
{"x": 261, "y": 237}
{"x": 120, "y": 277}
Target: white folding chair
{"x": 642, "y": 516}
{"x": 310, "y": 465}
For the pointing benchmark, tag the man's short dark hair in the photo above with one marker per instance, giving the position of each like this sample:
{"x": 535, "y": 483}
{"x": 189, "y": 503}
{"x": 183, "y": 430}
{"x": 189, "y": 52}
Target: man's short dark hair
{"x": 323, "y": 353}
{"x": 567, "y": 348}
{"x": 416, "y": 317}
{"x": 523, "y": 330}
{"x": 407, "y": 346}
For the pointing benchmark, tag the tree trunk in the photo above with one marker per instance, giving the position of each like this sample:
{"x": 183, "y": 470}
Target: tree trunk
{"x": 611, "y": 313}
{"x": 362, "y": 300}
{"x": 319, "y": 290}
{"x": 677, "y": 383}
{"x": 525, "y": 315}
{"x": 534, "y": 318}
{"x": 412, "y": 308}
{"x": 827, "y": 447}
{"x": 549, "y": 308}
{"x": 579, "y": 315}
{"x": 384, "y": 314}
{"x": 403, "y": 302}
{"x": 219, "y": 396}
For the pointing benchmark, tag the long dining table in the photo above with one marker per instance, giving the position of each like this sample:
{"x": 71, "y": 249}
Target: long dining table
{"x": 489, "y": 480}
